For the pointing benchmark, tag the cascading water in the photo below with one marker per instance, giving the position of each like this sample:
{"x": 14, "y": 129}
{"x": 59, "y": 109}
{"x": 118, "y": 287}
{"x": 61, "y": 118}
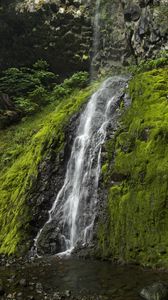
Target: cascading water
{"x": 72, "y": 216}
{"x": 96, "y": 38}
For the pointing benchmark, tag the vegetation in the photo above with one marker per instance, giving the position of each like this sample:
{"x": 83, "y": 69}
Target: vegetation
{"x": 137, "y": 163}
{"x": 22, "y": 148}
{"x": 29, "y": 90}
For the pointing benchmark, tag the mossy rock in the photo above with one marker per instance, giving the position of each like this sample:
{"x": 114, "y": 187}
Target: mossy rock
{"x": 137, "y": 227}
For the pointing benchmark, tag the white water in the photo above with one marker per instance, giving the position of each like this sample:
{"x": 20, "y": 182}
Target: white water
{"x": 96, "y": 37}
{"x": 75, "y": 207}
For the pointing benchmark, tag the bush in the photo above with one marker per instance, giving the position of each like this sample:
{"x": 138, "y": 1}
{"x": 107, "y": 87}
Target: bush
{"x": 78, "y": 80}
{"x": 38, "y": 96}
{"x": 46, "y": 78}
{"x": 16, "y": 82}
{"x": 26, "y": 106}
{"x": 41, "y": 65}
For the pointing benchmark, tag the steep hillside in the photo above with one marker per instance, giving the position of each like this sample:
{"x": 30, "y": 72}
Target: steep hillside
{"x": 27, "y": 150}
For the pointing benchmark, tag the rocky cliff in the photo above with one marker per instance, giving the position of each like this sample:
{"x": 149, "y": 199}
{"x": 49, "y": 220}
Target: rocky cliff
{"x": 61, "y": 32}
{"x": 131, "y": 31}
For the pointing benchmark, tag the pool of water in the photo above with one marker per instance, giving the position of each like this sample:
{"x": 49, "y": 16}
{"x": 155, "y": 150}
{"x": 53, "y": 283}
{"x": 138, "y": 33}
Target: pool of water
{"x": 83, "y": 277}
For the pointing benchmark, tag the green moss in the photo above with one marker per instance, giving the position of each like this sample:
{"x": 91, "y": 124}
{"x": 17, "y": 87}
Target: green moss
{"x": 137, "y": 160}
{"x": 23, "y": 147}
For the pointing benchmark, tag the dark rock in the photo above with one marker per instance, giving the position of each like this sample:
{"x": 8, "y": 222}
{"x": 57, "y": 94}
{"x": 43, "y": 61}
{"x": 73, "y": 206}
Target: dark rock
{"x": 144, "y": 3}
{"x": 132, "y": 13}
{"x": 143, "y": 26}
{"x": 50, "y": 241}
{"x": 156, "y": 291}
{"x": 2, "y": 290}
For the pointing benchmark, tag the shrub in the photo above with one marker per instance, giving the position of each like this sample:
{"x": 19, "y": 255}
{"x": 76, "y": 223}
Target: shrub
{"x": 78, "y": 80}
{"x": 38, "y": 96}
{"x": 26, "y": 106}
{"x": 16, "y": 82}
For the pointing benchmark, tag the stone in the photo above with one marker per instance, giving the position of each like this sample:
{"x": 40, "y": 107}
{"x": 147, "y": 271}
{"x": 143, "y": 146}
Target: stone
{"x": 56, "y": 296}
{"x": 156, "y": 291}
{"x": 132, "y": 13}
{"x": 143, "y": 26}
{"x": 67, "y": 293}
{"x": 39, "y": 287}
{"x": 23, "y": 282}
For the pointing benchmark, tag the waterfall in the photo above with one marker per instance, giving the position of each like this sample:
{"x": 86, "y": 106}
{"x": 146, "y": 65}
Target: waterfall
{"x": 72, "y": 216}
{"x": 96, "y": 38}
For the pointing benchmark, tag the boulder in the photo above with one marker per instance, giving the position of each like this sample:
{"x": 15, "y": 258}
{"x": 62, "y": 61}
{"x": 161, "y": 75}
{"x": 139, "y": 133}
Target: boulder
{"x": 156, "y": 291}
{"x": 50, "y": 240}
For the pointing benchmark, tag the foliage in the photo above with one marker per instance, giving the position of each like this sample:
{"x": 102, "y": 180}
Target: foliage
{"x": 137, "y": 163}
{"x": 41, "y": 65}
{"x": 147, "y": 65}
{"x": 17, "y": 82}
{"x": 31, "y": 89}
{"x": 78, "y": 80}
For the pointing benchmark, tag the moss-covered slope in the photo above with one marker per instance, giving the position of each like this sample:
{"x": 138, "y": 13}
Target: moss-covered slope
{"x": 136, "y": 174}
{"x": 22, "y": 148}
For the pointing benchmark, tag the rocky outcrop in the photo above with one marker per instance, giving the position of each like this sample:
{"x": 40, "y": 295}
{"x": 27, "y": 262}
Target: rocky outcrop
{"x": 8, "y": 112}
{"x": 61, "y": 33}
{"x": 131, "y": 31}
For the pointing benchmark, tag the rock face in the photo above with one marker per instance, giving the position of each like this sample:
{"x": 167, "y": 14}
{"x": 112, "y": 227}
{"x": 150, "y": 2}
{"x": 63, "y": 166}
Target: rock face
{"x": 156, "y": 291}
{"x": 131, "y": 31}
{"x": 61, "y": 33}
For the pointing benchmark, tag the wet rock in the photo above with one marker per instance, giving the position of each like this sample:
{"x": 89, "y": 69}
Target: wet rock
{"x": 50, "y": 241}
{"x": 156, "y": 291}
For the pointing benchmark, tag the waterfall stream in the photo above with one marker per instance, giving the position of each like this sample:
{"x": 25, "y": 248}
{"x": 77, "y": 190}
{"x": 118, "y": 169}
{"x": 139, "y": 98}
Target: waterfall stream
{"x": 96, "y": 38}
{"x": 72, "y": 216}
